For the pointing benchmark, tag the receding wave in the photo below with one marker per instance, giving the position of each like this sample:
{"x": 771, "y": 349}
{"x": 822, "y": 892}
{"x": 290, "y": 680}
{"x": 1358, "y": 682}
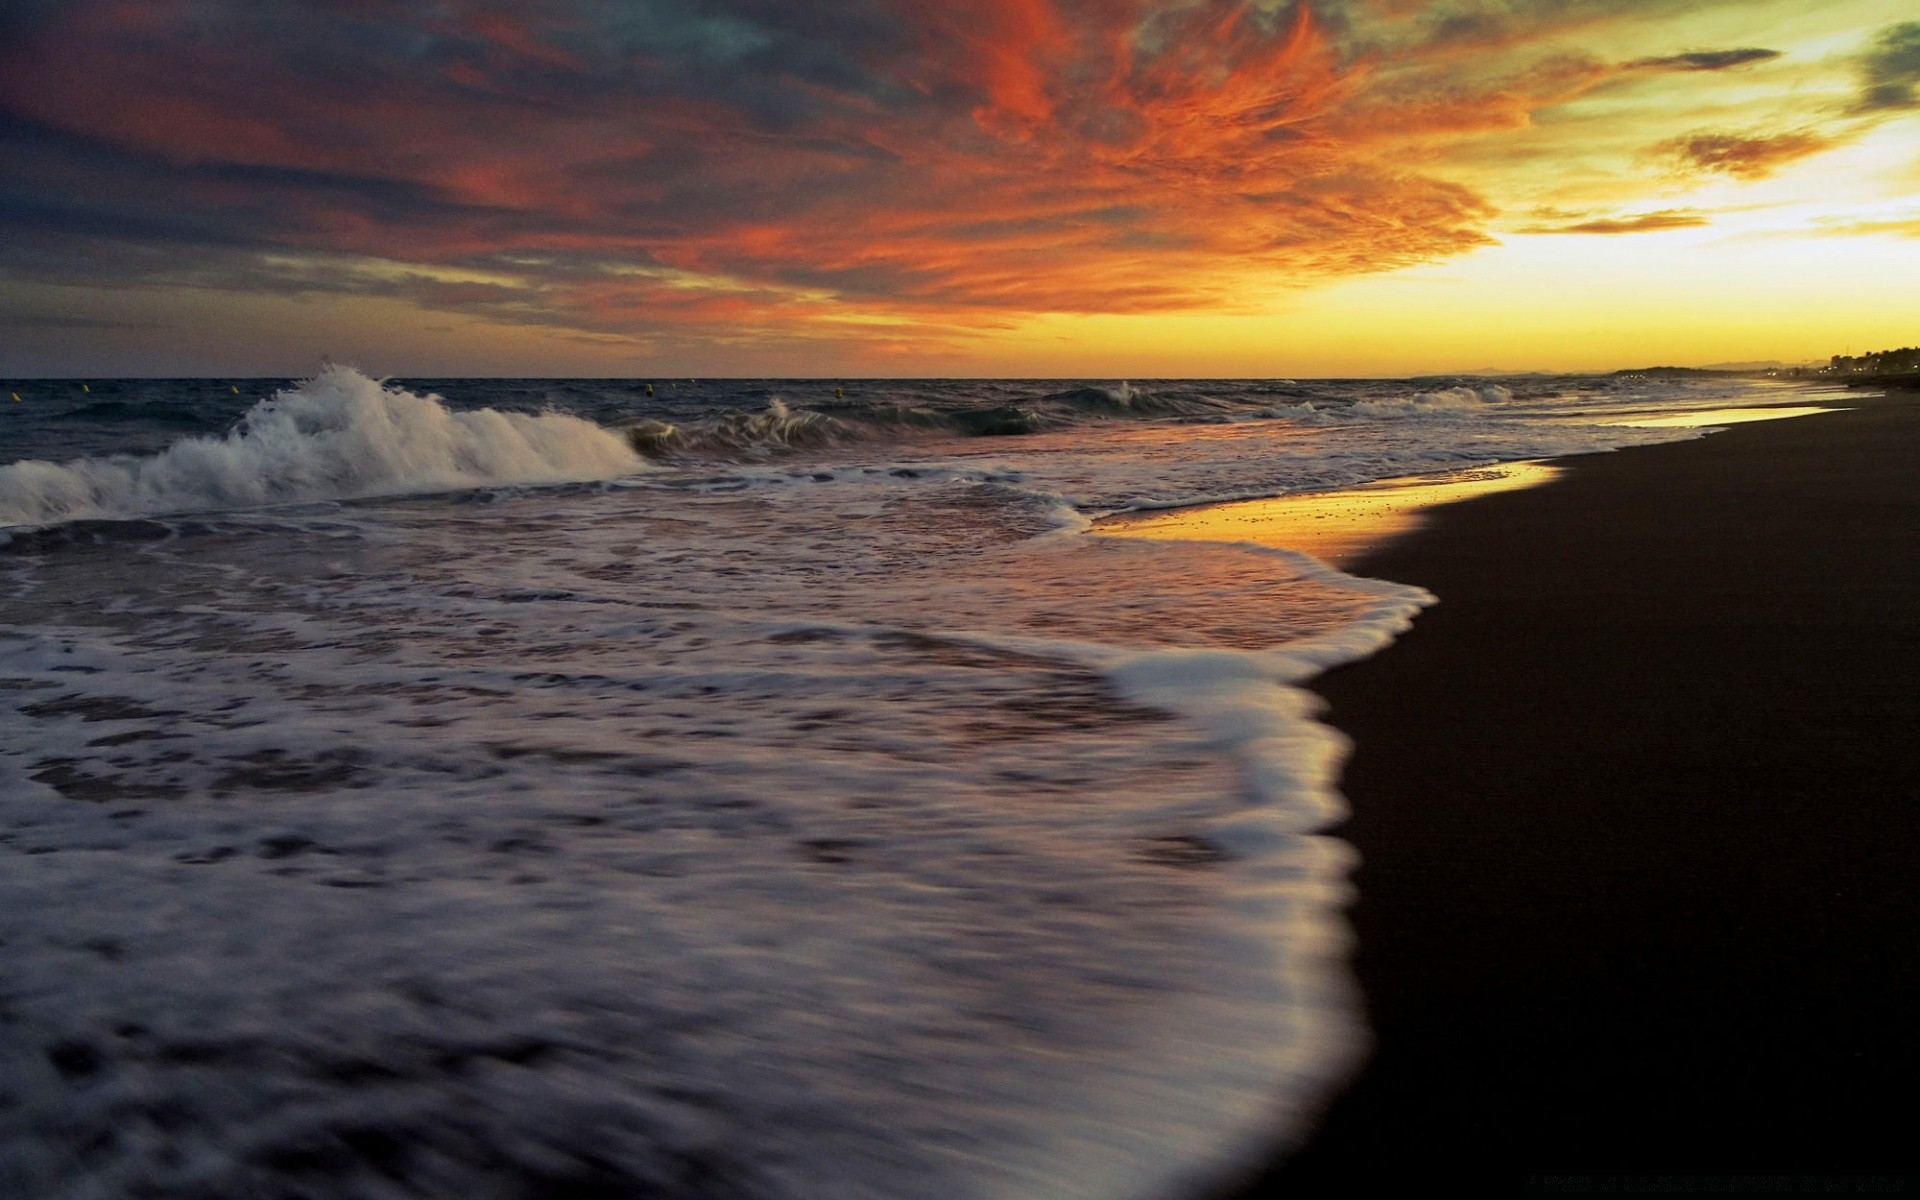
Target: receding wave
{"x": 339, "y": 435}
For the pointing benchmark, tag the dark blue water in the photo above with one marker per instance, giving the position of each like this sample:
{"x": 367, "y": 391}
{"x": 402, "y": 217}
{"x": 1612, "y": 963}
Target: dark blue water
{"x": 60, "y": 419}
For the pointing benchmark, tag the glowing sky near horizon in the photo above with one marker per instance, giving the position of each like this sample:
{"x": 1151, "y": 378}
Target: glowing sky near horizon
{"x": 1004, "y": 187}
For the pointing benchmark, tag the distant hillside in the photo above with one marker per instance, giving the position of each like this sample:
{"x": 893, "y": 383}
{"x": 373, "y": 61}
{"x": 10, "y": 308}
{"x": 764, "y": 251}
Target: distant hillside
{"x": 1676, "y": 372}
{"x": 1772, "y": 366}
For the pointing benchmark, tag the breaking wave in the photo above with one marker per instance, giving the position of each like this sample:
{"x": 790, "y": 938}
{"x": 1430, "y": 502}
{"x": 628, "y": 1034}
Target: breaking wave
{"x": 1443, "y": 404}
{"x": 777, "y": 428}
{"x": 1451, "y": 401}
{"x": 337, "y": 436}
{"x": 1127, "y": 400}
{"x": 781, "y": 427}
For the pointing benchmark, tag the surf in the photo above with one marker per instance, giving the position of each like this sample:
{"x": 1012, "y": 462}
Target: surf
{"x": 340, "y": 435}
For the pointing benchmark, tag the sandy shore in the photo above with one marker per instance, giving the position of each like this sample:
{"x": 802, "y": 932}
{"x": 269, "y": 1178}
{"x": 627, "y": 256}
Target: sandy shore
{"x": 1639, "y": 809}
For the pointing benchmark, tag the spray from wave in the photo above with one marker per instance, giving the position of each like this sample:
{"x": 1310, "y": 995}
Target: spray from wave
{"x": 337, "y": 436}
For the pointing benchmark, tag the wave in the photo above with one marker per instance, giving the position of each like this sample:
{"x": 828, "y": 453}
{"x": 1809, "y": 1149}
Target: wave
{"x": 1444, "y": 404}
{"x": 337, "y": 436}
{"x": 1127, "y": 400}
{"x": 780, "y": 427}
{"x": 1001, "y": 420}
{"x": 151, "y": 414}
{"x": 1123, "y": 398}
{"x": 1453, "y": 401}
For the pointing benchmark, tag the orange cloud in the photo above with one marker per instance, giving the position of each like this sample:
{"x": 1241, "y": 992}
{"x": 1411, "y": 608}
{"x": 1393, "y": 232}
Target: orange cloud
{"x": 1739, "y": 156}
{"x": 797, "y": 170}
{"x": 1652, "y": 222}
{"x": 1006, "y": 49}
{"x": 1897, "y": 226}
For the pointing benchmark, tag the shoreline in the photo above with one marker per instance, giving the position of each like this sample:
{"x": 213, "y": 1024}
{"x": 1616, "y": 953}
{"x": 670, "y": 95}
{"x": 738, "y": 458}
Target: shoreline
{"x": 1338, "y": 526}
{"x": 1633, "y": 808}
{"x": 1344, "y": 526}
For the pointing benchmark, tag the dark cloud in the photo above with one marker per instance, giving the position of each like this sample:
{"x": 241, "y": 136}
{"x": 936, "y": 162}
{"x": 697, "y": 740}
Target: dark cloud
{"x": 1741, "y": 156}
{"x": 1652, "y": 222}
{"x": 1892, "y": 68}
{"x": 1705, "y": 60}
{"x": 42, "y": 320}
{"x": 1477, "y": 26}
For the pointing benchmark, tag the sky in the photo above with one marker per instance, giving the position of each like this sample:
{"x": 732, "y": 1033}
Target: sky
{"x": 1089, "y": 188}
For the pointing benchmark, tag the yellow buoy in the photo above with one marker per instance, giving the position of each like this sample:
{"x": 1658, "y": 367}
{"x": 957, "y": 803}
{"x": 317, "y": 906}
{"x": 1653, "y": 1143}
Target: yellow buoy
{"x": 235, "y": 387}
{"x": 649, "y": 389}
{"x": 836, "y": 394}
{"x": 85, "y": 388}
{"x": 16, "y": 397}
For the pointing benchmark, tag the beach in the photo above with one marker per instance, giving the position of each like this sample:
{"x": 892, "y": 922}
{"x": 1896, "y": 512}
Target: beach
{"x": 1634, "y": 804}
{"x": 421, "y": 784}
{"x": 1034, "y": 600}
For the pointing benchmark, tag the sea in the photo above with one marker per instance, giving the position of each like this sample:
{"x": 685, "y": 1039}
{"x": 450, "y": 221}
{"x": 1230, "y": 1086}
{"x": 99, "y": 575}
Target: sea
{"x": 759, "y": 789}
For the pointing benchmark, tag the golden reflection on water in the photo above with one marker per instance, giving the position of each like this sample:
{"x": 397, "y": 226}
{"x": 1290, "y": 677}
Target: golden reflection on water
{"x": 1338, "y": 527}
{"x": 1719, "y": 416}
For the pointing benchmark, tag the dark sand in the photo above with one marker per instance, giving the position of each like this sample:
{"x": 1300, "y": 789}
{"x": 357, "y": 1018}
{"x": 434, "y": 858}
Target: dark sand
{"x": 1639, "y": 809}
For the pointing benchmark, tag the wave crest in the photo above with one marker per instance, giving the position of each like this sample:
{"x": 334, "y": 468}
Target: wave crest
{"x": 1444, "y": 404}
{"x": 1453, "y": 401}
{"x": 777, "y": 427}
{"x": 339, "y": 435}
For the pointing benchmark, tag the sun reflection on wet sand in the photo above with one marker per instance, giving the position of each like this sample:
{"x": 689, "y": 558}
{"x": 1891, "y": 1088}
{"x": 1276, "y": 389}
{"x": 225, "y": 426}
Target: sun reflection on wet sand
{"x": 1337, "y": 527}
{"x": 1721, "y": 416}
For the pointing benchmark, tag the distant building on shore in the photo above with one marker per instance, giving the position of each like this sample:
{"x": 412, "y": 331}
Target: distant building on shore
{"x": 1880, "y": 362}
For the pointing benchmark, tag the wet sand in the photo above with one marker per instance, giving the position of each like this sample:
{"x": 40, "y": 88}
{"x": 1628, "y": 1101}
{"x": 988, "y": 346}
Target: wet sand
{"x": 1639, "y": 811}
{"x": 1337, "y": 527}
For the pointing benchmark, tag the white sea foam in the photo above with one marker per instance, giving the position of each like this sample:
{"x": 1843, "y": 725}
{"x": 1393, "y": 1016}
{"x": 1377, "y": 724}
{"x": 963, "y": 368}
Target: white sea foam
{"x": 337, "y": 436}
{"x": 840, "y": 825}
{"x": 1446, "y": 404}
{"x": 718, "y": 807}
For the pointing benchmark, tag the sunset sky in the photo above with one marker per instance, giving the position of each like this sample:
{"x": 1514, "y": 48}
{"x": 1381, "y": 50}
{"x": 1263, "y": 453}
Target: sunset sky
{"x": 1124, "y": 188}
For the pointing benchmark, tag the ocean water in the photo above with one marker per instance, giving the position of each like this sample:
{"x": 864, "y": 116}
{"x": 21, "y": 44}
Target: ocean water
{"x": 759, "y": 789}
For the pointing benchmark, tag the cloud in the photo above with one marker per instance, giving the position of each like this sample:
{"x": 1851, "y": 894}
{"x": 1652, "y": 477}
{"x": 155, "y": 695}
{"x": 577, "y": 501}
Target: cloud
{"x": 44, "y": 320}
{"x": 729, "y": 169}
{"x": 1737, "y": 155}
{"x": 1900, "y": 226}
{"x": 1892, "y": 68}
{"x": 1653, "y": 222}
{"x": 1704, "y": 60}
{"x": 1028, "y": 157}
